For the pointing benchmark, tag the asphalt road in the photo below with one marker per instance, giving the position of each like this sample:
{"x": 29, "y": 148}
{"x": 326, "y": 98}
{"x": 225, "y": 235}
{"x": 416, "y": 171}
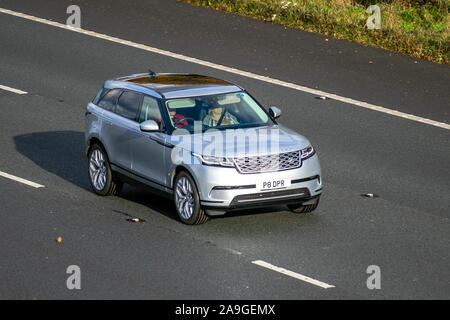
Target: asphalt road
{"x": 405, "y": 231}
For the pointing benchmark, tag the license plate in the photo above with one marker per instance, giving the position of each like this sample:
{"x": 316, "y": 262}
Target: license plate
{"x": 271, "y": 184}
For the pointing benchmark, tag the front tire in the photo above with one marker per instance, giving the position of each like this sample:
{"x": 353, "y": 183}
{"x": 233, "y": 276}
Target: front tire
{"x": 304, "y": 207}
{"x": 100, "y": 174}
{"x": 187, "y": 200}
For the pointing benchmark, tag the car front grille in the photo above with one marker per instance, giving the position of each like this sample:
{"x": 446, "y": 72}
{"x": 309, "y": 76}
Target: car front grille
{"x": 268, "y": 163}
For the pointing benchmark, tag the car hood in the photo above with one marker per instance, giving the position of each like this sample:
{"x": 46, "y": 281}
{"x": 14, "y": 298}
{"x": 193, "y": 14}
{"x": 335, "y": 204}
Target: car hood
{"x": 242, "y": 142}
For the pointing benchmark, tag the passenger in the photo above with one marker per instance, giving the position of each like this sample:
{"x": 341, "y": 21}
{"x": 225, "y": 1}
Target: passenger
{"x": 214, "y": 115}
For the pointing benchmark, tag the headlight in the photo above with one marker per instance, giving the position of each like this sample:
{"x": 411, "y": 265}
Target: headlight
{"x": 214, "y": 161}
{"x": 308, "y": 152}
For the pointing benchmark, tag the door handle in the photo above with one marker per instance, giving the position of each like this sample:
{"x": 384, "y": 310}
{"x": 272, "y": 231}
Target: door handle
{"x": 161, "y": 141}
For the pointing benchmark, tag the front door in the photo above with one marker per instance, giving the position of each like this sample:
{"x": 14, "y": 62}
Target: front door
{"x": 149, "y": 150}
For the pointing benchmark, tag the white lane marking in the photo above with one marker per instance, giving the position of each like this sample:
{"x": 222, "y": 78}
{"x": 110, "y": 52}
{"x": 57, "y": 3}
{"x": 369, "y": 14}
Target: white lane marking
{"x": 27, "y": 182}
{"x": 12, "y": 90}
{"x": 293, "y": 274}
{"x": 231, "y": 70}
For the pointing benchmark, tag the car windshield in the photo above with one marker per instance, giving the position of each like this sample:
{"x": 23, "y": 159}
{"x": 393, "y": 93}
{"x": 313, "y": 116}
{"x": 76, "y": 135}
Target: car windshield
{"x": 223, "y": 111}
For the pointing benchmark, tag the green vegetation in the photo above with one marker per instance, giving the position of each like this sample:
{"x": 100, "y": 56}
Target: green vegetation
{"x": 419, "y": 28}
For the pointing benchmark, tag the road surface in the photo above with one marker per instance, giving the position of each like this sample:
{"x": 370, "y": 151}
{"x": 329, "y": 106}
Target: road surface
{"x": 406, "y": 162}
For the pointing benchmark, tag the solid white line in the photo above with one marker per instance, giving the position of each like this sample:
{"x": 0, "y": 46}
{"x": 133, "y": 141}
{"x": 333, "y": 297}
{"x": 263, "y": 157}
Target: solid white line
{"x": 231, "y": 70}
{"x": 293, "y": 274}
{"x": 12, "y": 90}
{"x": 27, "y": 182}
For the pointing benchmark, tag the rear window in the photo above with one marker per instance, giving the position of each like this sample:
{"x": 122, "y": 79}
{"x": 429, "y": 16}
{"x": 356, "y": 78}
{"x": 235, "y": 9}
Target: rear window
{"x": 109, "y": 100}
{"x": 128, "y": 104}
{"x": 99, "y": 95}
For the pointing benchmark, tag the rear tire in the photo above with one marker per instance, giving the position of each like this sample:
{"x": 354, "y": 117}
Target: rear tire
{"x": 187, "y": 200}
{"x": 101, "y": 177}
{"x": 304, "y": 208}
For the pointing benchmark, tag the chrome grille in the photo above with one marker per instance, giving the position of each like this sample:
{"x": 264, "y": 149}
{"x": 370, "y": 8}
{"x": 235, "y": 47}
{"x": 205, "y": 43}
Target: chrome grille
{"x": 267, "y": 163}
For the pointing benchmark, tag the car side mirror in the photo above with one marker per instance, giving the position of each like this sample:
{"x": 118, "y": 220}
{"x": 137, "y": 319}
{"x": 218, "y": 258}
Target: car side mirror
{"x": 274, "y": 112}
{"x": 149, "y": 126}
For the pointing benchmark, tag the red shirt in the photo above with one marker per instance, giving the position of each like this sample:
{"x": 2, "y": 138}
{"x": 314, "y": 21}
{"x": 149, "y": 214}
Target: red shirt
{"x": 176, "y": 119}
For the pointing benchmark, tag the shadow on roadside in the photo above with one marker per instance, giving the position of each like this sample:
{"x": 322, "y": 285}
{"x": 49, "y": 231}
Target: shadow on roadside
{"x": 58, "y": 152}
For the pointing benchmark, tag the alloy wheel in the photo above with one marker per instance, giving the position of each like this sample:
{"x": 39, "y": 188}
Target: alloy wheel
{"x": 98, "y": 170}
{"x": 184, "y": 198}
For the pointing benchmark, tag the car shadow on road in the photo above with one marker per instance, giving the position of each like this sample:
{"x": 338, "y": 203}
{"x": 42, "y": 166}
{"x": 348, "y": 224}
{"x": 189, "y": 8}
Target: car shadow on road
{"x": 166, "y": 207}
{"x": 58, "y": 152}
{"x": 62, "y": 153}
{"x": 144, "y": 196}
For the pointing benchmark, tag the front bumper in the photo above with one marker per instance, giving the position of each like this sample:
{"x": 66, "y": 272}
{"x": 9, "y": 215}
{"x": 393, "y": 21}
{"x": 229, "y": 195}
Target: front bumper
{"x": 258, "y": 200}
{"x": 226, "y": 189}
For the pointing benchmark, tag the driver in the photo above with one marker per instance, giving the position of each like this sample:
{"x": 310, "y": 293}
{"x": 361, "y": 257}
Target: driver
{"x": 215, "y": 116}
{"x": 177, "y": 119}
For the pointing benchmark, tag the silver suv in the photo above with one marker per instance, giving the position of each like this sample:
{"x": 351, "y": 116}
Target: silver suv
{"x": 203, "y": 142}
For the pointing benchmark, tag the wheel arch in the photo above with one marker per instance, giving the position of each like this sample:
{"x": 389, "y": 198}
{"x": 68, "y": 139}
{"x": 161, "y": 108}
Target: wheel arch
{"x": 93, "y": 140}
{"x": 180, "y": 168}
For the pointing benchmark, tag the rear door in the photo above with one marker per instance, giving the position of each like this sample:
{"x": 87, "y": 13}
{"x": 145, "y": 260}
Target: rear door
{"x": 118, "y": 127}
{"x": 108, "y": 104}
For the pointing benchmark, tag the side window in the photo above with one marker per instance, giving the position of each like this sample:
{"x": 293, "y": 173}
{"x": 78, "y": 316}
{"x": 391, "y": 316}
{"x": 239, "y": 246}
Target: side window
{"x": 128, "y": 104}
{"x": 150, "y": 110}
{"x": 109, "y": 100}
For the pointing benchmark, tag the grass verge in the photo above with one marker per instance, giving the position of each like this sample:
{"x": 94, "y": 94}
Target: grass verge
{"x": 419, "y": 28}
